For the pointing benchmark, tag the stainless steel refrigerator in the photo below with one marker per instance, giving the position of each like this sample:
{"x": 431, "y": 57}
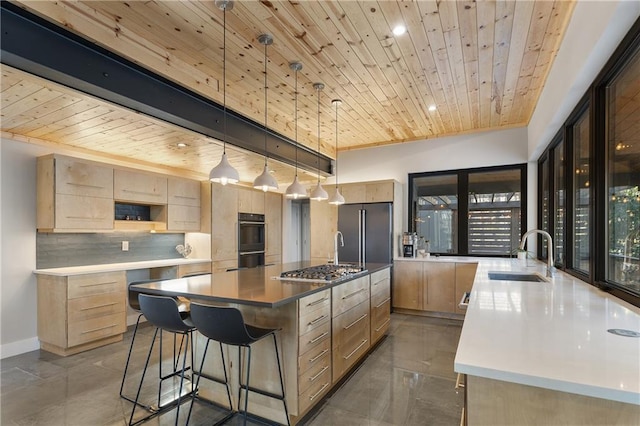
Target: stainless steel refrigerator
{"x": 367, "y": 231}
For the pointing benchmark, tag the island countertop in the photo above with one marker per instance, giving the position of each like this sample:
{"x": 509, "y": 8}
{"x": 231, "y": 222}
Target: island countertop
{"x": 551, "y": 335}
{"x": 253, "y": 286}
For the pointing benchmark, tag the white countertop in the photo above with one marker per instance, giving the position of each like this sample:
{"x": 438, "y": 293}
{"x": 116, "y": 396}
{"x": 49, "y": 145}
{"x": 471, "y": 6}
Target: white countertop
{"x": 551, "y": 334}
{"x": 432, "y": 258}
{"x": 113, "y": 267}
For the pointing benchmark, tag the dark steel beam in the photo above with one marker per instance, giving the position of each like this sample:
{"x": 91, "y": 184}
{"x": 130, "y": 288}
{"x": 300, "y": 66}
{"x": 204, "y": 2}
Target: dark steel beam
{"x": 39, "y": 47}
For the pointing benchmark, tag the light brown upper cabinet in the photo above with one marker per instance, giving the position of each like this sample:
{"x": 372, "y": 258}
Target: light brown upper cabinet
{"x": 139, "y": 188}
{"x": 184, "y": 205}
{"x": 251, "y": 200}
{"x": 273, "y": 227}
{"x": 373, "y": 192}
{"x": 224, "y": 226}
{"x": 73, "y": 195}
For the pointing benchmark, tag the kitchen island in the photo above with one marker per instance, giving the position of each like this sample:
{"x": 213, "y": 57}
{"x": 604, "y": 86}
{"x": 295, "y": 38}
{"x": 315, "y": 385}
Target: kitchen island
{"x": 326, "y": 328}
{"x": 543, "y": 353}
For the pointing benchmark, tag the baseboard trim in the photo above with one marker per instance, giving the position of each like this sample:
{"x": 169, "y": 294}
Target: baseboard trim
{"x": 16, "y": 348}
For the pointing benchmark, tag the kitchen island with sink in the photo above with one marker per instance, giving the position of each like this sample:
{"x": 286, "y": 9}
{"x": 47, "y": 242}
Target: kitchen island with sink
{"x": 546, "y": 351}
{"x": 327, "y": 326}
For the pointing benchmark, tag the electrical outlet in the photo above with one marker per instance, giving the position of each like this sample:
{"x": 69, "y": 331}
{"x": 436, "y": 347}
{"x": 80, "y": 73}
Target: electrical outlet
{"x": 125, "y": 246}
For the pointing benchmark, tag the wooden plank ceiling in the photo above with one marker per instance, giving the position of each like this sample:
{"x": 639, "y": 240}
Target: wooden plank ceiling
{"x": 481, "y": 64}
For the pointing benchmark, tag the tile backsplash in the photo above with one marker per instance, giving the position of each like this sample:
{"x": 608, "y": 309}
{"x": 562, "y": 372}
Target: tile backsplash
{"x": 60, "y": 250}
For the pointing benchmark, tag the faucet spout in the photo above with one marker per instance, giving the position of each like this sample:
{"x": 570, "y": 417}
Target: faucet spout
{"x": 550, "y": 268}
{"x": 335, "y": 246}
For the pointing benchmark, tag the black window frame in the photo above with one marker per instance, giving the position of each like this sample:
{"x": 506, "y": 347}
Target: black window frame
{"x": 463, "y": 202}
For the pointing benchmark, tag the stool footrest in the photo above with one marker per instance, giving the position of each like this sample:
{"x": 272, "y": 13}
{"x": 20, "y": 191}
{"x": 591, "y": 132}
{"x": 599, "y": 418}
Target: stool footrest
{"x": 210, "y": 377}
{"x": 263, "y": 392}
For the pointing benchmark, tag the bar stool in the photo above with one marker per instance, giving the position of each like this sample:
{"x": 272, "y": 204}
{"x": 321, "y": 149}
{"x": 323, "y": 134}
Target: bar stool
{"x": 226, "y": 325}
{"x": 164, "y": 314}
{"x": 134, "y": 304}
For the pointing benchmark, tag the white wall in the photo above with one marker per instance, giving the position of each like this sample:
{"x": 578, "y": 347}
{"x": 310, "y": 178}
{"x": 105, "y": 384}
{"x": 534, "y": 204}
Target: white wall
{"x": 595, "y": 30}
{"x": 482, "y": 149}
{"x": 18, "y": 316}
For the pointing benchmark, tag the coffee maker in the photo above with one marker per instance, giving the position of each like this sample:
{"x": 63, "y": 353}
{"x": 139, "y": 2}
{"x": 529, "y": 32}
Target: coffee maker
{"x": 409, "y": 244}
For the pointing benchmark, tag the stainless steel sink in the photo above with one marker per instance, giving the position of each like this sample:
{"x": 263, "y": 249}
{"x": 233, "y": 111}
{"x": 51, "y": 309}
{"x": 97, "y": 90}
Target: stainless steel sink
{"x": 517, "y": 276}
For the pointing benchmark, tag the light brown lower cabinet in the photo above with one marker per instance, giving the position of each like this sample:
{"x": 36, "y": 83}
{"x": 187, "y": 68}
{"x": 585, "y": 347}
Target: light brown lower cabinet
{"x": 380, "y": 304}
{"x": 431, "y": 286}
{"x": 81, "y": 312}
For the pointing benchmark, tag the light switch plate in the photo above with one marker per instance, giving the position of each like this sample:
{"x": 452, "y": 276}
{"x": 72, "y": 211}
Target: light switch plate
{"x": 125, "y": 246}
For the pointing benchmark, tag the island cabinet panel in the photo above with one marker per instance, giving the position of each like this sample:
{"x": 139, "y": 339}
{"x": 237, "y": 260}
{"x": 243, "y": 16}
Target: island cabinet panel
{"x": 465, "y": 275}
{"x": 81, "y": 312}
{"x": 137, "y": 187}
{"x": 73, "y": 195}
{"x": 224, "y": 227}
{"x": 349, "y": 294}
{"x": 407, "y": 285}
{"x": 351, "y": 338}
{"x": 380, "y": 304}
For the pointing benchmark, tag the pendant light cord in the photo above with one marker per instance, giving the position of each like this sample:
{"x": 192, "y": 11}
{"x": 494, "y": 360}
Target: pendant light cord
{"x": 265, "y": 104}
{"x": 337, "y": 104}
{"x": 296, "y": 118}
{"x": 318, "y": 152}
{"x": 224, "y": 79}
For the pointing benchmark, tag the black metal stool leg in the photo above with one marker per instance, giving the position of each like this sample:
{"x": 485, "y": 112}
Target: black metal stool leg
{"x": 286, "y": 412}
{"x": 126, "y": 366}
{"x": 144, "y": 372}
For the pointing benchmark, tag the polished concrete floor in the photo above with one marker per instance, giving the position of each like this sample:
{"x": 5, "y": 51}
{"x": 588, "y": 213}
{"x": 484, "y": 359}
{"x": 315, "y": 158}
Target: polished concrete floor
{"x": 407, "y": 380}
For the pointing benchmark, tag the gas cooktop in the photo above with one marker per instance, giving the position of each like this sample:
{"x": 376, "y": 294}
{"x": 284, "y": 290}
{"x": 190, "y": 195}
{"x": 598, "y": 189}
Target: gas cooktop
{"x": 323, "y": 273}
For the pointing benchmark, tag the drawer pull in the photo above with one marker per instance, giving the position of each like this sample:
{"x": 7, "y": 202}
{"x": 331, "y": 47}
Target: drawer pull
{"x": 353, "y": 294}
{"x": 131, "y": 191}
{"x": 383, "y": 324}
{"x": 99, "y": 306}
{"x": 356, "y": 349}
{"x": 383, "y": 302}
{"x": 355, "y": 322}
{"x": 317, "y": 320}
{"x": 315, "y": 395}
{"x": 185, "y": 196}
{"x": 86, "y": 218}
{"x": 97, "y": 284}
{"x": 320, "y": 337}
{"x": 98, "y": 329}
{"x": 316, "y": 302}
{"x": 325, "y": 368}
{"x": 85, "y": 185}
{"x": 320, "y": 355}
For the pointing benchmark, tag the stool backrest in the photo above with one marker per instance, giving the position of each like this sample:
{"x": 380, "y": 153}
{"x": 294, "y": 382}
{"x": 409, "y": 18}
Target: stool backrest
{"x": 221, "y": 323}
{"x": 162, "y": 311}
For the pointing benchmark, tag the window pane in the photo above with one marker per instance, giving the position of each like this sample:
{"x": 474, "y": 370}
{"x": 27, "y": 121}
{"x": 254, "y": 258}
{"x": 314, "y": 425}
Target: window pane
{"x": 581, "y": 194}
{"x": 559, "y": 203}
{"x": 494, "y": 212}
{"x": 545, "y": 203}
{"x": 436, "y": 212}
{"x": 623, "y": 177}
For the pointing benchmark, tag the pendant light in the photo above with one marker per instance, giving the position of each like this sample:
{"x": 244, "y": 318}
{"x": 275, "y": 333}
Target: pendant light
{"x": 296, "y": 190}
{"x": 224, "y": 172}
{"x": 318, "y": 193}
{"x": 337, "y": 197}
{"x": 265, "y": 181}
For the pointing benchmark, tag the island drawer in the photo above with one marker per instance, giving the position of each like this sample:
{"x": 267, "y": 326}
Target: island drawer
{"x": 349, "y": 294}
{"x": 315, "y": 301}
{"x": 311, "y": 320}
{"x": 96, "y": 328}
{"x": 313, "y": 338}
{"x": 315, "y": 373}
{"x": 380, "y": 319}
{"x": 351, "y": 338}
{"x": 313, "y": 357}
{"x": 92, "y": 284}
{"x": 311, "y": 396}
{"x": 380, "y": 282}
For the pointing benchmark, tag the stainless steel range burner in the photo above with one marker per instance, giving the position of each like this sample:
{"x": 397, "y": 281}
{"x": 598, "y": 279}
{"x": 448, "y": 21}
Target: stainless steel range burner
{"x": 322, "y": 273}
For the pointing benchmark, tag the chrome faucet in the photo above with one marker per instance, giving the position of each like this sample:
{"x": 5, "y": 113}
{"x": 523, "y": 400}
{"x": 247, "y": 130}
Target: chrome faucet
{"x": 550, "y": 268}
{"x": 335, "y": 246}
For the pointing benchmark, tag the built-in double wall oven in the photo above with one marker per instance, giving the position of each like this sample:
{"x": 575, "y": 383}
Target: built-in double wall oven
{"x": 251, "y": 240}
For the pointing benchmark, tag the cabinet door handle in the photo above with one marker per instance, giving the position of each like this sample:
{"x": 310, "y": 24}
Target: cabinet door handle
{"x": 320, "y": 355}
{"x": 98, "y": 306}
{"x": 85, "y": 185}
{"x": 97, "y": 284}
{"x": 98, "y": 329}
{"x": 383, "y": 302}
{"x": 312, "y": 397}
{"x": 186, "y": 197}
{"x": 86, "y": 218}
{"x": 353, "y": 294}
{"x": 320, "y": 337}
{"x": 317, "y": 320}
{"x": 154, "y": 194}
{"x": 356, "y": 349}
{"x": 383, "y": 324}
{"x": 325, "y": 368}
{"x": 355, "y": 322}
{"x": 316, "y": 302}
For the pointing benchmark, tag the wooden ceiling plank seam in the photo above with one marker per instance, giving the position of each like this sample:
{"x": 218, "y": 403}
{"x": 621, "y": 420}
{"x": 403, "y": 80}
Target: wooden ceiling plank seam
{"x": 29, "y": 117}
{"x": 521, "y": 19}
{"x": 48, "y": 131}
{"x": 539, "y": 22}
{"x": 17, "y": 93}
{"x": 503, "y": 29}
{"x": 468, "y": 22}
{"x": 89, "y": 127}
{"x": 485, "y": 15}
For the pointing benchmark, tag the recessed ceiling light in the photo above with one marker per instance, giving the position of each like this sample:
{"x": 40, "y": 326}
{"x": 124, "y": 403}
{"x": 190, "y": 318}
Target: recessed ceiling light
{"x": 432, "y": 108}
{"x": 181, "y": 145}
{"x": 398, "y": 30}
